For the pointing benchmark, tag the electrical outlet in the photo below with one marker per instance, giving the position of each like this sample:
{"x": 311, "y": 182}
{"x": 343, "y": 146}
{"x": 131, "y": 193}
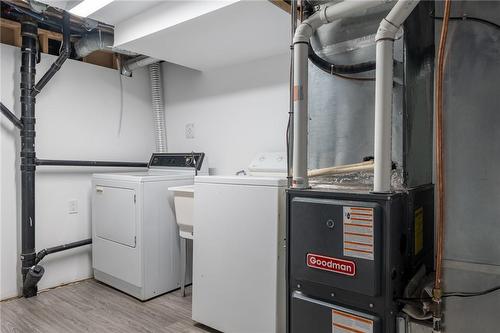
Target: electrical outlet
{"x": 73, "y": 207}
{"x": 190, "y": 131}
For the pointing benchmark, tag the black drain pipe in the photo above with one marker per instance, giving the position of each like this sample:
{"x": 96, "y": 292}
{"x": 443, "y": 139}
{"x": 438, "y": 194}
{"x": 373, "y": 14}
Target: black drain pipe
{"x": 60, "y": 248}
{"x": 29, "y": 34}
{"x": 91, "y": 163}
{"x": 65, "y": 53}
{"x": 31, "y": 271}
{"x": 12, "y": 117}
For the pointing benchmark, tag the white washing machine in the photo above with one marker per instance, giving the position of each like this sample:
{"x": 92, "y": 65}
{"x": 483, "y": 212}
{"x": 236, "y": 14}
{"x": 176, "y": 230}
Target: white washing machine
{"x": 239, "y": 250}
{"x": 134, "y": 233}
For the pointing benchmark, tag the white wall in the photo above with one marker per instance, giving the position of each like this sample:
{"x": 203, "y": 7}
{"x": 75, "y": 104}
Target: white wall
{"x": 237, "y": 111}
{"x": 78, "y": 116}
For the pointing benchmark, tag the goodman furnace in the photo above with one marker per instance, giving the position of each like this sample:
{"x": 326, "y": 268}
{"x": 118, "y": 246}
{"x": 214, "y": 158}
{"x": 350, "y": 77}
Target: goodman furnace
{"x": 350, "y": 256}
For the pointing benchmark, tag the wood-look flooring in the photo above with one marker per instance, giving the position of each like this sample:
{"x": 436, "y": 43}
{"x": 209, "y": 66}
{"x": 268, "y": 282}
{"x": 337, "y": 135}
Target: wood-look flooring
{"x": 90, "y": 306}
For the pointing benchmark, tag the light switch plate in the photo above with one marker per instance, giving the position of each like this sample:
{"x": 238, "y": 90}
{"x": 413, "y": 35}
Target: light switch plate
{"x": 190, "y": 131}
{"x": 73, "y": 207}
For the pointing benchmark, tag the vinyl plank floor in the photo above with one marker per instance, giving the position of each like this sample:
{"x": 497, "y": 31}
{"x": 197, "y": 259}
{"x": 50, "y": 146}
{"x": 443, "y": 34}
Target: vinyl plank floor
{"x": 90, "y": 306}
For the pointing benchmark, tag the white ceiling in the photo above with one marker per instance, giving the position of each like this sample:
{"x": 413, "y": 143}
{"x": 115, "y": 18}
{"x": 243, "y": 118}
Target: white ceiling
{"x": 62, "y": 4}
{"x": 239, "y": 32}
{"x": 120, "y": 10}
{"x": 168, "y": 14}
{"x": 200, "y": 34}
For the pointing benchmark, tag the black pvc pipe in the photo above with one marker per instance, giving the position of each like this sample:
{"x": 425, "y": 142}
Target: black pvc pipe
{"x": 27, "y": 12}
{"x": 91, "y": 163}
{"x": 35, "y": 273}
{"x": 52, "y": 19}
{"x": 60, "y": 248}
{"x": 29, "y": 33}
{"x": 12, "y": 117}
{"x": 329, "y": 67}
{"x": 56, "y": 66}
{"x": 339, "y": 69}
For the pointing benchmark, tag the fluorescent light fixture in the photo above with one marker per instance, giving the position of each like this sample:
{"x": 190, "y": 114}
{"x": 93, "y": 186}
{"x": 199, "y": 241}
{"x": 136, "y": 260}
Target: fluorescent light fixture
{"x": 87, "y": 7}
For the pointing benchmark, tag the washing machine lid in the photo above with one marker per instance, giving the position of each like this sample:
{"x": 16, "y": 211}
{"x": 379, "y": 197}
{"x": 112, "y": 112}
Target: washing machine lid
{"x": 242, "y": 180}
{"x": 268, "y": 164}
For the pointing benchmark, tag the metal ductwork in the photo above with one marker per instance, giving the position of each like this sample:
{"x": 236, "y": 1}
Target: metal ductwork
{"x": 93, "y": 41}
{"x": 137, "y": 62}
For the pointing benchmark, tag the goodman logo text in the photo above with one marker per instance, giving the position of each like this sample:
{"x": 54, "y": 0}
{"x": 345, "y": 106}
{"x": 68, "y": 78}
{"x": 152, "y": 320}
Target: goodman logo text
{"x": 329, "y": 264}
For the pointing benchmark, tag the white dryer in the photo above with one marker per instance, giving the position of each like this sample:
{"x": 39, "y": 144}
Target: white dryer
{"x": 239, "y": 250}
{"x": 134, "y": 233}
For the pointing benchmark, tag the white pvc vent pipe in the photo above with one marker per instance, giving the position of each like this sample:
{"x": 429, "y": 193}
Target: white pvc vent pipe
{"x": 326, "y": 14}
{"x": 383, "y": 92}
{"x": 158, "y": 107}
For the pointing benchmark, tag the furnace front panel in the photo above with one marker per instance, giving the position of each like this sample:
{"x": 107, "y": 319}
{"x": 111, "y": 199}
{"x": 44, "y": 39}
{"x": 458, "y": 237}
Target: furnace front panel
{"x": 350, "y": 255}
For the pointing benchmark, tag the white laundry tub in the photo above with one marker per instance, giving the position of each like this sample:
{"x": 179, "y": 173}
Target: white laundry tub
{"x": 184, "y": 209}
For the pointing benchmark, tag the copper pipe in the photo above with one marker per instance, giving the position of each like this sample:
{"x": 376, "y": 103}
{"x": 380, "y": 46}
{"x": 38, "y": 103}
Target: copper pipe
{"x": 437, "y": 291}
{"x": 439, "y": 145}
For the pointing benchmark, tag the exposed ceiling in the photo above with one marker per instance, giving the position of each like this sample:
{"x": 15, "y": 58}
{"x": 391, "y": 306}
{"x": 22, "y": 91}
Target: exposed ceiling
{"x": 114, "y": 13}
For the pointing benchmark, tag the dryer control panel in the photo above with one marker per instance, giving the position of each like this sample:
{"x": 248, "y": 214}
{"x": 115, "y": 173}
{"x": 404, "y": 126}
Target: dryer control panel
{"x": 176, "y": 160}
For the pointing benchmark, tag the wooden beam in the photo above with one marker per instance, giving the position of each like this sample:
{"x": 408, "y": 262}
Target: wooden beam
{"x": 18, "y": 41}
{"x": 16, "y": 26}
{"x": 9, "y": 24}
{"x": 282, "y": 4}
{"x": 101, "y": 58}
{"x": 44, "y": 42}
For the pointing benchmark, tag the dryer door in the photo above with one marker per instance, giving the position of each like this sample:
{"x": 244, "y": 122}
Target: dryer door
{"x": 114, "y": 214}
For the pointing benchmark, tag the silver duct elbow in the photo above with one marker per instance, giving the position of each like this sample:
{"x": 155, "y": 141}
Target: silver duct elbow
{"x": 94, "y": 41}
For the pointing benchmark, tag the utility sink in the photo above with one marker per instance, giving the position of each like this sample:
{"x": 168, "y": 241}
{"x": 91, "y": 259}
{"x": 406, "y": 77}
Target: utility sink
{"x": 184, "y": 209}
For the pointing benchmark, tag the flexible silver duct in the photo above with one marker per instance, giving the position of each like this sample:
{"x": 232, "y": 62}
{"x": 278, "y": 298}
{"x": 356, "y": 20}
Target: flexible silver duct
{"x": 158, "y": 107}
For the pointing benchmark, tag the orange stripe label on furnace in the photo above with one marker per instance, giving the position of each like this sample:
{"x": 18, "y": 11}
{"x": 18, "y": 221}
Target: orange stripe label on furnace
{"x": 358, "y": 232}
{"x": 343, "y": 322}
